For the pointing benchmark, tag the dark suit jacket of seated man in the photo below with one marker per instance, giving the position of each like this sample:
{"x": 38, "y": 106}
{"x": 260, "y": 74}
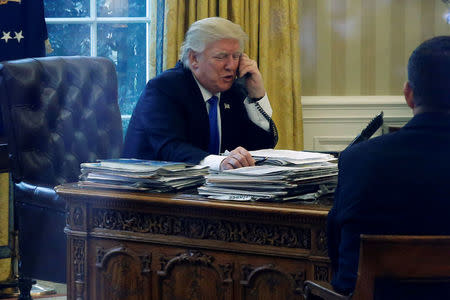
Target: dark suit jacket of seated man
{"x": 170, "y": 121}
{"x": 397, "y": 183}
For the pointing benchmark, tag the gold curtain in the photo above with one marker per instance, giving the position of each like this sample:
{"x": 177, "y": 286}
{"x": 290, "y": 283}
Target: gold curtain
{"x": 274, "y": 42}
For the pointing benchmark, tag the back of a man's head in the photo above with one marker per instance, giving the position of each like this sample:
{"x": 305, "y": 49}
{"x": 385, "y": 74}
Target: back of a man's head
{"x": 429, "y": 73}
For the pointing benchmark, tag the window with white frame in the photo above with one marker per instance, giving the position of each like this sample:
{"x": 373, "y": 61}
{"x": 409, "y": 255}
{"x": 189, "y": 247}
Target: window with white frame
{"x": 117, "y": 29}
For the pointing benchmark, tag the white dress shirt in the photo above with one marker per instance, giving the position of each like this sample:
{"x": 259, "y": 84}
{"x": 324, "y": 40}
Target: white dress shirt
{"x": 213, "y": 161}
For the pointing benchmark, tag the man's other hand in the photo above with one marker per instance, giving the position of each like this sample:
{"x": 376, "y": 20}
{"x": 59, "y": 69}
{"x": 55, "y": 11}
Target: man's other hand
{"x": 253, "y": 81}
{"x": 237, "y": 158}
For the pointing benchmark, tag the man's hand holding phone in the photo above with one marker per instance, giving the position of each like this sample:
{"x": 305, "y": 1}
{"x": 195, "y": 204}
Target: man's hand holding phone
{"x": 253, "y": 79}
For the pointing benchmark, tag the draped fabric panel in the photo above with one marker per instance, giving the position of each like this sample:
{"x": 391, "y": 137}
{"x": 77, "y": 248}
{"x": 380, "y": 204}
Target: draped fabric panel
{"x": 5, "y": 263}
{"x": 23, "y": 29}
{"x": 274, "y": 42}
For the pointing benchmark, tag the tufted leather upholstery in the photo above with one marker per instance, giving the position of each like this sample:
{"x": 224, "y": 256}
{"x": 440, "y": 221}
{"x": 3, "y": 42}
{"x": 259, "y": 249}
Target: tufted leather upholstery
{"x": 58, "y": 112}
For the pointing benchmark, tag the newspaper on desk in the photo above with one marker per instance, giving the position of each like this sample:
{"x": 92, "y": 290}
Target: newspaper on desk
{"x": 281, "y": 175}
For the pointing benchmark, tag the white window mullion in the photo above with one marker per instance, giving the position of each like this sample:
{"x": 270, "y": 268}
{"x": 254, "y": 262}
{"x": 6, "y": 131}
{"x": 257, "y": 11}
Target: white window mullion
{"x": 122, "y": 19}
{"x": 87, "y": 20}
{"x": 94, "y": 39}
{"x": 93, "y": 9}
{"x": 147, "y": 51}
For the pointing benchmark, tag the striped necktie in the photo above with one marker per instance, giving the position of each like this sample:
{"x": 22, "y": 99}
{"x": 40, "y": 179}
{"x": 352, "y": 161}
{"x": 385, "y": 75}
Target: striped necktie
{"x": 214, "y": 142}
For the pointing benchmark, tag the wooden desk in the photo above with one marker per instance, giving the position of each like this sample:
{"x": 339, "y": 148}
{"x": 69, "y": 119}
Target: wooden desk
{"x": 164, "y": 246}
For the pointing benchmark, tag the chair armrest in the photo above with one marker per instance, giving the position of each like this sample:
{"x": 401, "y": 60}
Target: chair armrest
{"x": 314, "y": 289}
{"x": 39, "y": 196}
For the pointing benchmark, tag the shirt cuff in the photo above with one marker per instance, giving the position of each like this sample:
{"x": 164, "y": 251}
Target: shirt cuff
{"x": 212, "y": 161}
{"x": 255, "y": 116}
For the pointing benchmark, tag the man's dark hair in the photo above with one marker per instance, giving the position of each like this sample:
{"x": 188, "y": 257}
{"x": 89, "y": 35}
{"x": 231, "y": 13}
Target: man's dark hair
{"x": 429, "y": 73}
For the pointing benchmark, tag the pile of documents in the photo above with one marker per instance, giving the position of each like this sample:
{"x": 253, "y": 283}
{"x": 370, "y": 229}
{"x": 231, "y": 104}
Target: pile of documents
{"x": 141, "y": 175}
{"x": 279, "y": 175}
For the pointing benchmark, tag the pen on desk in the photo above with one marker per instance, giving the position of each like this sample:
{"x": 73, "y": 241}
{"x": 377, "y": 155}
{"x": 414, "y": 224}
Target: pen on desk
{"x": 260, "y": 161}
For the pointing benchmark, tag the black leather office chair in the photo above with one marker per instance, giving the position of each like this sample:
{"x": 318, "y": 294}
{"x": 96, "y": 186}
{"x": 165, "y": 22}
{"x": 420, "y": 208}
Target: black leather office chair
{"x": 58, "y": 112}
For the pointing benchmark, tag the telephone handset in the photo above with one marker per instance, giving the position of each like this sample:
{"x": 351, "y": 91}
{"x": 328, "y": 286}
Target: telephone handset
{"x": 241, "y": 80}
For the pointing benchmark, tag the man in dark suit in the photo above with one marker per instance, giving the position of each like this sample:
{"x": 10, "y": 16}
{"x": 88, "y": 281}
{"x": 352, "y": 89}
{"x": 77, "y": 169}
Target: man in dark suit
{"x": 397, "y": 183}
{"x": 174, "y": 119}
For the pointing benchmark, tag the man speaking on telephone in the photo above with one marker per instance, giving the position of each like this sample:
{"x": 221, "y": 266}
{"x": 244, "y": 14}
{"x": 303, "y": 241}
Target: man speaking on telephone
{"x": 212, "y": 101}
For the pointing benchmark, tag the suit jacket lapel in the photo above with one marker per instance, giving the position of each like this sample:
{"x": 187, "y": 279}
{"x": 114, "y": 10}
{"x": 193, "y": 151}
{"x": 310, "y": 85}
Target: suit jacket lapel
{"x": 196, "y": 105}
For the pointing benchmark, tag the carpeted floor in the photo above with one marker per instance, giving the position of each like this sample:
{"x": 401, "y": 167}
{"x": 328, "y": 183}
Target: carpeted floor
{"x": 59, "y": 291}
{"x": 54, "y": 297}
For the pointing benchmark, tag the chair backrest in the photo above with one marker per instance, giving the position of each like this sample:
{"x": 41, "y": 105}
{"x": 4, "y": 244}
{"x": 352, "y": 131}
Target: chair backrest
{"x": 59, "y": 112}
{"x": 392, "y": 265}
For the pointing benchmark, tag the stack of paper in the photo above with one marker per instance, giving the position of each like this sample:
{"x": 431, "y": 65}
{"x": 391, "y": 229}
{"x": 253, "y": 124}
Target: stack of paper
{"x": 141, "y": 175}
{"x": 290, "y": 157}
{"x": 281, "y": 175}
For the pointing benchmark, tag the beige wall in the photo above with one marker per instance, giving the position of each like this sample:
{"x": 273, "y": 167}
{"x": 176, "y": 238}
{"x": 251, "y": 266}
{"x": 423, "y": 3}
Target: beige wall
{"x": 361, "y": 47}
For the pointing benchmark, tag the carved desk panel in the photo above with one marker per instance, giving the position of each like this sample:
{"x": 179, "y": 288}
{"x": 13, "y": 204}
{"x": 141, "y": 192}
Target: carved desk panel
{"x": 164, "y": 246}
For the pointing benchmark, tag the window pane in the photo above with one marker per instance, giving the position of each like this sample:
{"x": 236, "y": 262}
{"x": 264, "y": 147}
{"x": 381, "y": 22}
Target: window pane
{"x": 121, "y": 8}
{"x": 69, "y": 39}
{"x": 125, "y": 45}
{"x": 66, "y": 8}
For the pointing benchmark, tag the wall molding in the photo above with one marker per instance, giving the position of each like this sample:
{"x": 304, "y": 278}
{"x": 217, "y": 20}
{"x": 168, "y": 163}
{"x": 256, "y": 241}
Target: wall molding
{"x": 331, "y": 143}
{"x": 339, "y": 101}
{"x": 331, "y": 122}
